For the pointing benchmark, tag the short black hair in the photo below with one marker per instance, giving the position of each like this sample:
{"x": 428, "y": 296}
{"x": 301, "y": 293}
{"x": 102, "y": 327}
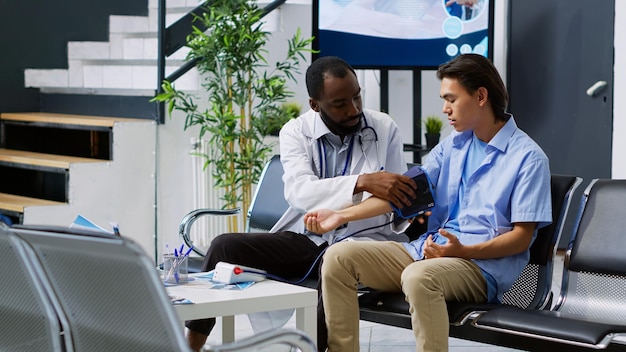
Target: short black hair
{"x": 332, "y": 65}
{"x": 474, "y": 71}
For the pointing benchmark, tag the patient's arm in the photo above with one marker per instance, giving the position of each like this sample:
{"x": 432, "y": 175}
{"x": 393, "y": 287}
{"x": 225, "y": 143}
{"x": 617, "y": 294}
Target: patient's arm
{"x": 323, "y": 220}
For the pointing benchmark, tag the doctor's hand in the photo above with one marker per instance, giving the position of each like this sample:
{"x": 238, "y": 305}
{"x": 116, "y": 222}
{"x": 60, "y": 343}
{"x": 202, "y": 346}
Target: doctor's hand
{"x": 323, "y": 220}
{"x": 398, "y": 189}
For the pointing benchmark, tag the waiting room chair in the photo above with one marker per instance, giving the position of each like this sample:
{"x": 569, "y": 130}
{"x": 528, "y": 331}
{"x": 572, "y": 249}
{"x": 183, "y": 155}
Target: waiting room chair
{"x": 532, "y": 290}
{"x": 31, "y": 319}
{"x": 110, "y": 292}
{"x": 590, "y": 312}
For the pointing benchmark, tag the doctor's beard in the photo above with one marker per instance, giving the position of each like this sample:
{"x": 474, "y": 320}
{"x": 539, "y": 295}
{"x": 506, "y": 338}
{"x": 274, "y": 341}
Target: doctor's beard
{"x": 339, "y": 129}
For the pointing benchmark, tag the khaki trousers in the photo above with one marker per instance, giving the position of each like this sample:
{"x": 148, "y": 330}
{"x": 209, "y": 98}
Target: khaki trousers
{"x": 387, "y": 266}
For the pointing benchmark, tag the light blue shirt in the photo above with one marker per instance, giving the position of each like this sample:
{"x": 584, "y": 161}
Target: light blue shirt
{"x": 511, "y": 184}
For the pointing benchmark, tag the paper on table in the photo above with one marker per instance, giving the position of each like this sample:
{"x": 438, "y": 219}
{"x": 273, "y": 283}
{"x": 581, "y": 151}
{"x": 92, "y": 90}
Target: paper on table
{"x": 180, "y": 300}
{"x": 82, "y": 222}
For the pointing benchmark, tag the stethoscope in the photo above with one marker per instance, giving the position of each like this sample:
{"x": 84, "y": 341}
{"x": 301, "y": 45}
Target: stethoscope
{"x": 368, "y": 134}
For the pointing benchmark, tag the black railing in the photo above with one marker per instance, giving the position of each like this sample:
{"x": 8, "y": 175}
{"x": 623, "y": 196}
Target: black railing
{"x": 174, "y": 37}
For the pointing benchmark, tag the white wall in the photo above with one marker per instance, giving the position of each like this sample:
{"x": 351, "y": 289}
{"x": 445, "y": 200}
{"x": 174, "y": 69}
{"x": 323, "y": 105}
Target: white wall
{"x": 174, "y": 163}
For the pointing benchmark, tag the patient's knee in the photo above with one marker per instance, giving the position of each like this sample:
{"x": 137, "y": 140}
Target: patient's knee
{"x": 418, "y": 278}
{"x": 337, "y": 257}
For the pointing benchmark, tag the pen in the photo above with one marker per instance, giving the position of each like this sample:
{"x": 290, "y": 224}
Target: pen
{"x": 116, "y": 229}
{"x": 188, "y": 251}
{"x": 175, "y": 263}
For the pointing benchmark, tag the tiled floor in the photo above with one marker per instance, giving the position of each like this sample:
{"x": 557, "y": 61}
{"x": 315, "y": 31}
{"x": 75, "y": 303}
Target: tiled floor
{"x": 383, "y": 338}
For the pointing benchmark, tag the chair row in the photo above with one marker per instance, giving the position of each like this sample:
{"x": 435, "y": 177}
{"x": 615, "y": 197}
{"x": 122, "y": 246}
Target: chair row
{"x": 82, "y": 291}
{"x": 594, "y": 264}
{"x": 590, "y": 312}
{"x": 68, "y": 290}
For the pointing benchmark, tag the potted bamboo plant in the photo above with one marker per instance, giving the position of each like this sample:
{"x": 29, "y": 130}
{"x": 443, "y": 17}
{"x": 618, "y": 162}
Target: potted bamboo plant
{"x": 433, "y": 125}
{"x": 242, "y": 90}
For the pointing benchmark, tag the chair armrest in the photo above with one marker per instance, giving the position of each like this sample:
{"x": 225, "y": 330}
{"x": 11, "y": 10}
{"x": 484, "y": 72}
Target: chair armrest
{"x": 185, "y": 225}
{"x": 290, "y": 337}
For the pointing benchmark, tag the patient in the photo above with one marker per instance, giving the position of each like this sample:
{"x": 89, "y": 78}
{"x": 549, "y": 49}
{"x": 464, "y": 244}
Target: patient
{"x": 492, "y": 193}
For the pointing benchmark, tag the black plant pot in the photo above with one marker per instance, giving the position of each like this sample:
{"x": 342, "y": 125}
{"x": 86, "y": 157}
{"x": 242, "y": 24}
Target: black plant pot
{"x": 432, "y": 140}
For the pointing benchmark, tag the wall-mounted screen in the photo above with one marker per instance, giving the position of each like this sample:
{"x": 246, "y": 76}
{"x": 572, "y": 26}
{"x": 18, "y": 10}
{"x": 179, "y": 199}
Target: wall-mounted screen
{"x": 402, "y": 33}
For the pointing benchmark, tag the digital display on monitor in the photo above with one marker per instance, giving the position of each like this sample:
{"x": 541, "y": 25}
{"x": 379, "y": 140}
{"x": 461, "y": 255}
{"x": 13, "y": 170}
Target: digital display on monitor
{"x": 402, "y": 33}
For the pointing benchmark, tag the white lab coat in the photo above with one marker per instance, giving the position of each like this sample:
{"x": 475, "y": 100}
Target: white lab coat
{"x": 305, "y": 190}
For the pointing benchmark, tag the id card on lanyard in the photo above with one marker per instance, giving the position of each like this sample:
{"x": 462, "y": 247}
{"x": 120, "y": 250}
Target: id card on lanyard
{"x": 321, "y": 147}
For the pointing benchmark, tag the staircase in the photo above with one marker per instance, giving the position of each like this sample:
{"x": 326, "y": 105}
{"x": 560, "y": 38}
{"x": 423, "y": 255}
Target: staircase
{"x": 72, "y": 158}
{"x": 54, "y": 167}
{"x": 94, "y": 148}
{"x": 125, "y": 65}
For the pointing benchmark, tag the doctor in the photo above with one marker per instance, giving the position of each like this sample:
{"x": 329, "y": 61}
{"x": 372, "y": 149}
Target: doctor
{"x": 335, "y": 155}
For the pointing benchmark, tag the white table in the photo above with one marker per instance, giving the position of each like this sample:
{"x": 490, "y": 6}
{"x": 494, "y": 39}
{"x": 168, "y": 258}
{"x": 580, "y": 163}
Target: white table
{"x": 263, "y": 296}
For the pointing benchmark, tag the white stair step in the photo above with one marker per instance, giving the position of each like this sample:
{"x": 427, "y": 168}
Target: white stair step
{"x": 120, "y": 75}
{"x": 88, "y": 50}
{"x": 148, "y": 93}
{"x": 46, "y": 78}
{"x": 147, "y": 48}
{"x": 133, "y": 77}
{"x": 130, "y": 62}
{"x": 144, "y": 47}
{"x": 128, "y": 24}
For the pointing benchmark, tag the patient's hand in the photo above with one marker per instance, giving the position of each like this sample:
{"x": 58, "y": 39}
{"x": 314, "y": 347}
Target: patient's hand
{"x": 323, "y": 220}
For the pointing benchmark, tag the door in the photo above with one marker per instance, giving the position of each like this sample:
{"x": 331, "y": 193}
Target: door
{"x": 557, "y": 51}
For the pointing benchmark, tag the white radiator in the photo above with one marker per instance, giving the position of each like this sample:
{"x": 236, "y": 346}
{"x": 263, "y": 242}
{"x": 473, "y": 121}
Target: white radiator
{"x": 205, "y": 195}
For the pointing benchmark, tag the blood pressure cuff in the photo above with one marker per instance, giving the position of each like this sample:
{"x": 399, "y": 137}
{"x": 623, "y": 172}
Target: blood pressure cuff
{"x": 425, "y": 197}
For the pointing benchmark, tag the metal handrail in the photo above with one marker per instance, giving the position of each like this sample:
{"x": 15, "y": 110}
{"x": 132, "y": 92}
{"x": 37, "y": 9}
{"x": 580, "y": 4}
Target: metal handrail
{"x": 172, "y": 38}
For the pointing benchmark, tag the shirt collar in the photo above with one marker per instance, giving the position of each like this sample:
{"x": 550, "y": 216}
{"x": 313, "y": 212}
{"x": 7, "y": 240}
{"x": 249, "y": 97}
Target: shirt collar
{"x": 320, "y": 129}
{"x": 499, "y": 141}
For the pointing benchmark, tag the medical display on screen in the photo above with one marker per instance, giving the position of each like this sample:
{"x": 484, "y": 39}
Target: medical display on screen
{"x": 402, "y": 33}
